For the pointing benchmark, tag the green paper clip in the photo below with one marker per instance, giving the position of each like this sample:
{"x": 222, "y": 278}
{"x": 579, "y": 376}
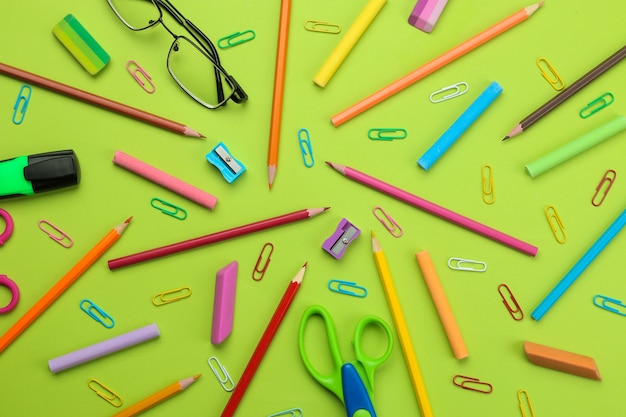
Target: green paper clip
{"x": 597, "y": 105}
{"x": 175, "y": 214}
{"x": 236, "y": 38}
{"x": 386, "y": 134}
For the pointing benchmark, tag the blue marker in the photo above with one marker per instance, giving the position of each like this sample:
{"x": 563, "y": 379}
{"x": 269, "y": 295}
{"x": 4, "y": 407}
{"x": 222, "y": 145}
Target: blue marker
{"x": 579, "y": 267}
{"x": 459, "y": 127}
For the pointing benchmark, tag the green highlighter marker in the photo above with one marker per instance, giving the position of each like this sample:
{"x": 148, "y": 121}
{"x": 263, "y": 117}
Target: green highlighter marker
{"x": 33, "y": 174}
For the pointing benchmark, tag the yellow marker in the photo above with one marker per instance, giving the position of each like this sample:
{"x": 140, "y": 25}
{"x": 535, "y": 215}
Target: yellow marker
{"x": 348, "y": 41}
{"x": 401, "y": 328}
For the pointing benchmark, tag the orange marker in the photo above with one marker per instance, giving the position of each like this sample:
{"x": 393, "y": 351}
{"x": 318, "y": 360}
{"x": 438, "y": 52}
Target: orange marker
{"x": 64, "y": 283}
{"x": 562, "y": 360}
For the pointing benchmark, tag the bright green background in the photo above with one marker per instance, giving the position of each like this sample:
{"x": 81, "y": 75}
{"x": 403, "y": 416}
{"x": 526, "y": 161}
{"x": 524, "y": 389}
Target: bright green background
{"x": 574, "y": 35}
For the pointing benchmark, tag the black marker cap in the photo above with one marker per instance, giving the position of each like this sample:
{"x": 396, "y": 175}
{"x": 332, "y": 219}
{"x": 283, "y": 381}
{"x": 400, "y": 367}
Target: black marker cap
{"x": 52, "y": 170}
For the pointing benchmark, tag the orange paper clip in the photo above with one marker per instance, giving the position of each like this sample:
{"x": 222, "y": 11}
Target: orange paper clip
{"x": 514, "y": 309}
{"x": 258, "y": 274}
{"x": 134, "y": 69}
{"x": 62, "y": 239}
{"x": 472, "y": 384}
{"x": 603, "y": 187}
{"x": 387, "y": 221}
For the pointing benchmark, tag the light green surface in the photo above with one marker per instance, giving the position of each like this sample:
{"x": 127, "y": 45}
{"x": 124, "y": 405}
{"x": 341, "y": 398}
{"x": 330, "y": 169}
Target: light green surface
{"x": 574, "y": 35}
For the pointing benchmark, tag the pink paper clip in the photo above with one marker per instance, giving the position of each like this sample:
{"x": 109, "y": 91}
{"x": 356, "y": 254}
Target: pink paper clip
{"x": 514, "y": 309}
{"x": 148, "y": 80}
{"x": 387, "y": 221}
{"x": 258, "y": 273}
{"x": 608, "y": 178}
{"x": 64, "y": 239}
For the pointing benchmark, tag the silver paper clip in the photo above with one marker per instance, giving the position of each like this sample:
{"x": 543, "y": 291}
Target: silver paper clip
{"x": 341, "y": 285}
{"x": 21, "y": 104}
{"x": 178, "y": 213}
{"x": 322, "y": 27}
{"x": 457, "y": 92}
{"x": 604, "y": 304}
{"x": 224, "y": 378}
{"x": 292, "y": 412}
{"x": 461, "y": 264}
{"x": 97, "y": 313}
{"x": 390, "y": 224}
{"x": 305, "y": 147}
{"x": 63, "y": 239}
{"x": 146, "y": 81}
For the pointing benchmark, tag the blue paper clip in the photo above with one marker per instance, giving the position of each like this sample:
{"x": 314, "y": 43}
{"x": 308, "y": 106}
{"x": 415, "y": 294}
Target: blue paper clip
{"x": 236, "y": 39}
{"x": 596, "y": 105}
{"x": 101, "y": 317}
{"x": 21, "y": 104}
{"x": 340, "y": 288}
{"x": 606, "y": 300}
{"x": 221, "y": 157}
{"x": 305, "y": 147}
{"x": 175, "y": 214}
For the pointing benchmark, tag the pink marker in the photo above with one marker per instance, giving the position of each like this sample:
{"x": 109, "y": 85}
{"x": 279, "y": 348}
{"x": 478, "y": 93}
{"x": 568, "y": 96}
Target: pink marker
{"x": 426, "y": 13}
{"x": 224, "y": 303}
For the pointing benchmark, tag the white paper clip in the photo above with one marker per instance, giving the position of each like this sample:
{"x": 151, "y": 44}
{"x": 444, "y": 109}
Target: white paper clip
{"x": 457, "y": 92}
{"x": 224, "y": 379}
{"x": 292, "y": 412}
{"x": 461, "y": 264}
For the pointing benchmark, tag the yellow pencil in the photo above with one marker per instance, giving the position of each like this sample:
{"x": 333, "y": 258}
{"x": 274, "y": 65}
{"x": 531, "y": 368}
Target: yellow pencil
{"x": 403, "y": 332}
{"x": 157, "y": 397}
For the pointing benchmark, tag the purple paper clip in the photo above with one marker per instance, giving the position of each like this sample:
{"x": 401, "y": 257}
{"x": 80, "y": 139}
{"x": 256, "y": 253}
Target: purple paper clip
{"x": 338, "y": 242}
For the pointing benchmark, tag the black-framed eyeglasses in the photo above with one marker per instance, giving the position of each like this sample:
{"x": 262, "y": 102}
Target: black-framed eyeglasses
{"x": 193, "y": 63}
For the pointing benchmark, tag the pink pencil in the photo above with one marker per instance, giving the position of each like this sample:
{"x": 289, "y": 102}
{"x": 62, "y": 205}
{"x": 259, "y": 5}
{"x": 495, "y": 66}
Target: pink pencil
{"x": 435, "y": 209}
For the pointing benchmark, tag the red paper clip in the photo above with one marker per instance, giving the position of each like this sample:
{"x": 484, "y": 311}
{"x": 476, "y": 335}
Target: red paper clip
{"x": 258, "y": 274}
{"x": 606, "y": 179}
{"x": 516, "y": 313}
{"x": 472, "y": 384}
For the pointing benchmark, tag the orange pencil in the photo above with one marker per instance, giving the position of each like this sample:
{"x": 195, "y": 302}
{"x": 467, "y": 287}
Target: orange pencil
{"x": 62, "y": 285}
{"x": 279, "y": 88}
{"x": 434, "y": 65}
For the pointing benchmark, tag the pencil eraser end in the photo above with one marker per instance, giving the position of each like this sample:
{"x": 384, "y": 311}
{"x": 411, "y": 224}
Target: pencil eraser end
{"x": 224, "y": 303}
{"x": 81, "y": 44}
{"x": 426, "y": 13}
{"x": 561, "y": 360}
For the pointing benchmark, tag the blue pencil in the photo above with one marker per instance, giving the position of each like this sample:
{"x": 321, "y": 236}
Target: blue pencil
{"x": 579, "y": 267}
{"x": 459, "y": 127}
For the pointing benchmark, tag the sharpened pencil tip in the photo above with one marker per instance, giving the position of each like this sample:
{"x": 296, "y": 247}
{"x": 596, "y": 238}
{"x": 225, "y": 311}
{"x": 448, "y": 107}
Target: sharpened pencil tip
{"x": 305, "y": 264}
{"x": 128, "y": 220}
{"x": 373, "y": 234}
{"x": 505, "y": 138}
{"x": 326, "y": 208}
{"x": 197, "y": 376}
{"x": 329, "y": 163}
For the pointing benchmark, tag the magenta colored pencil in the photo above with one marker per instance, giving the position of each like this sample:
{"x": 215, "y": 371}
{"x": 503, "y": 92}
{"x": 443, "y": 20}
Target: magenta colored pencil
{"x": 435, "y": 209}
{"x": 215, "y": 237}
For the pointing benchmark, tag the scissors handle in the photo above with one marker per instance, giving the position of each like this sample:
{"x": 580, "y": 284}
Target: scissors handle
{"x": 371, "y": 363}
{"x": 331, "y": 381}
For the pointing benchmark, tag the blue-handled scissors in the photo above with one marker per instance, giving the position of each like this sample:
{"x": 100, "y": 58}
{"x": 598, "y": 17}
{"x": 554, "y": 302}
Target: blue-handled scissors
{"x": 352, "y": 382}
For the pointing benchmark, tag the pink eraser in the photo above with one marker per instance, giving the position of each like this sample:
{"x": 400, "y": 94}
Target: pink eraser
{"x": 426, "y": 13}
{"x": 224, "y": 303}
{"x": 164, "y": 179}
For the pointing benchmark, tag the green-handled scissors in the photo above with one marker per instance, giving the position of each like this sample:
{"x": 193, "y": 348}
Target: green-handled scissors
{"x": 352, "y": 382}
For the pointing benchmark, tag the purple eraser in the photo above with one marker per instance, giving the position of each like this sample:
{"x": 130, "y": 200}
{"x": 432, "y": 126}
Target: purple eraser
{"x": 224, "y": 303}
{"x": 426, "y": 13}
{"x": 104, "y": 348}
{"x": 338, "y": 242}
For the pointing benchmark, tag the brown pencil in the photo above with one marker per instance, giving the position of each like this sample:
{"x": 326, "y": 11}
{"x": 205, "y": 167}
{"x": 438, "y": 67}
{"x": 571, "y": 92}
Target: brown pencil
{"x": 95, "y": 100}
{"x": 567, "y": 93}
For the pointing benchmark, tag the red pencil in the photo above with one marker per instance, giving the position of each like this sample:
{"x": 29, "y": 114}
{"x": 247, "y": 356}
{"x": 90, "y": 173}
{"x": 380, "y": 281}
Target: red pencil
{"x": 264, "y": 344}
{"x": 214, "y": 237}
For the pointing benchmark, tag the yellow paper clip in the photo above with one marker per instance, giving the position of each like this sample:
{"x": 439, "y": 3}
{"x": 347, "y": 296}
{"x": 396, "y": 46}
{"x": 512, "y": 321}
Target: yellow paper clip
{"x": 390, "y": 224}
{"x": 63, "y": 239}
{"x": 97, "y": 313}
{"x": 21, "y": 104}
{"x": 550, "y": 74}
{"x": 525, "y": 403}
{"x": 259, "y": 272}
{"x": 558, "y": 230}
{"x": 601, "y": 190}
{"x": 489, "y": 193}
{"x": 236, "y": 39}
{"x": 292, "y": 412}
{"x": 386, "y": 133}
{"x": 511, "y": 303}
{"x": 178, "y": 213}
{"x": 305, "y": 147}
{"x": 461, "y": 264}
{"x": 170, "y": 296}
{"x": 105, "y": 392}
{"x": 224, "y": 378}
{"x": 134, "y": 69}
{"x": 596, "y": 105}
{"x": 457, "y": 92}
{"x": 322, "y": 27}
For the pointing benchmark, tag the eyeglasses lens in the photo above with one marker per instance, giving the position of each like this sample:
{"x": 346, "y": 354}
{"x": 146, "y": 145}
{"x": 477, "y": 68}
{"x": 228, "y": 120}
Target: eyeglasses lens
{"x": 136, "y": 14}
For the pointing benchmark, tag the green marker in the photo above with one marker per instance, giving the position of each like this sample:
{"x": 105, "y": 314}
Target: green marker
{"x": 33, "y": 174}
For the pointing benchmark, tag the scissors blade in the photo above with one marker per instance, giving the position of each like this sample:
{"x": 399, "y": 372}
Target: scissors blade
{"x": 356, "y": 398}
